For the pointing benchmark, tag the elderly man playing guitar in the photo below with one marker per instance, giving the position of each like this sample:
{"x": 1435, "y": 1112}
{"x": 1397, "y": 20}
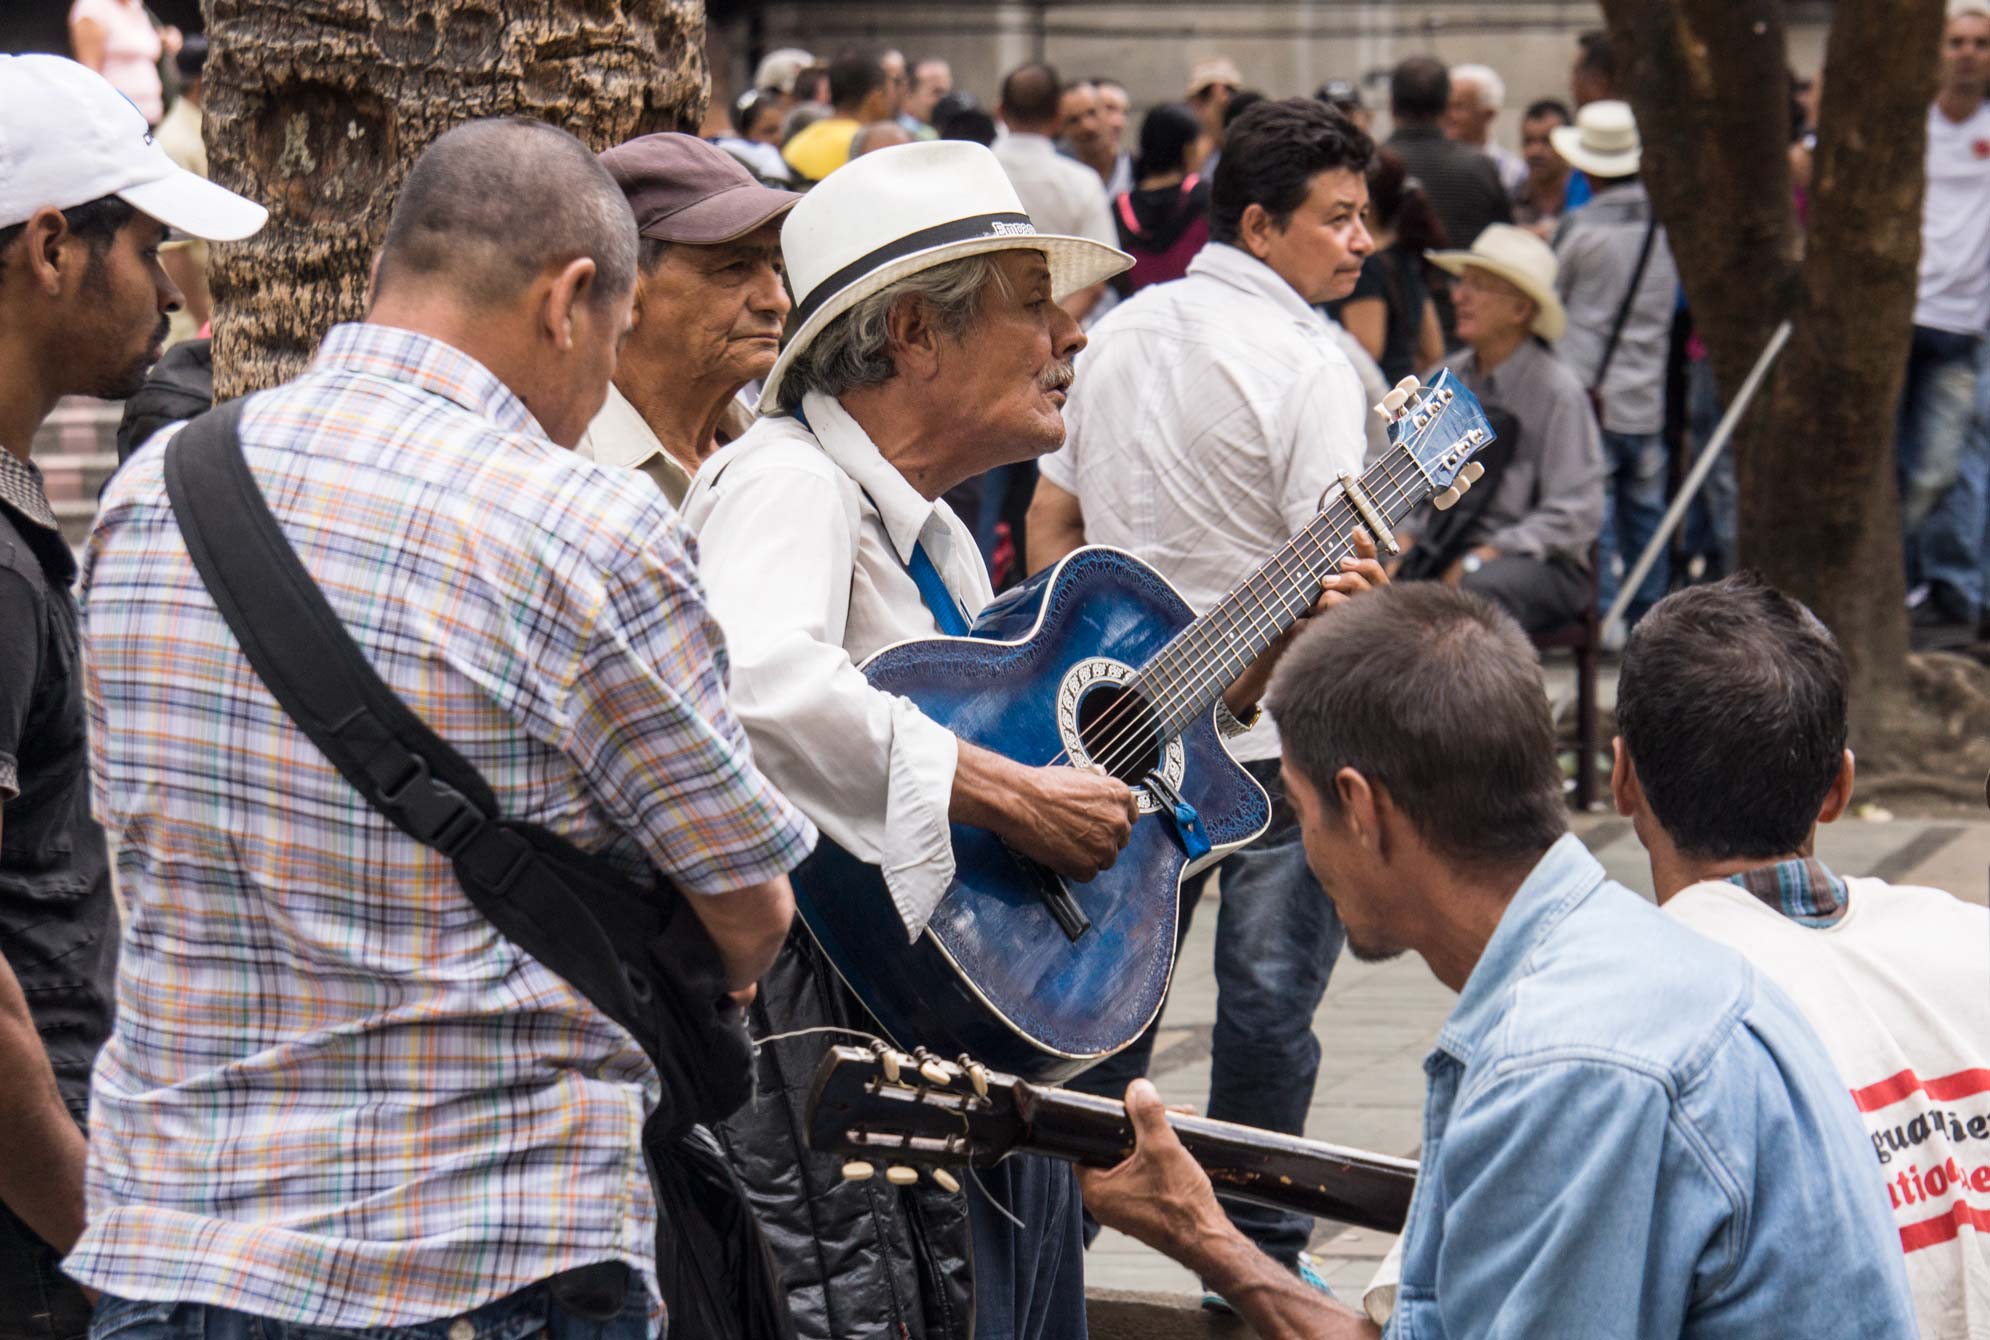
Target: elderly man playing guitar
{"x": 928, "y": 348}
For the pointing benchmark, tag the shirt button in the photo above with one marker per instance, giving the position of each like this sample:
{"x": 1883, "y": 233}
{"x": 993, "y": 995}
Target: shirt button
{"x": 462, "y": 1329}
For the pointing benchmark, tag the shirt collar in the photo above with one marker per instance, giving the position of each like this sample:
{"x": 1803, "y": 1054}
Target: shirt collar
{"x": 902, "y": 508}
{"x": 620, "y": 435}
{"x": 1239, "y": 269}
{"x": 1028, "y": 141}
{"x": 428, "y": 364}
{"x": 21, "y": 489}
{"x": 1563, "y": 877}
{"x": 1801, "y": 888}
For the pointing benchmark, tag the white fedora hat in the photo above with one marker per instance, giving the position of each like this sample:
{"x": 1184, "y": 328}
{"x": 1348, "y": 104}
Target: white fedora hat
{"x": 901, "y": 210}
{"x": 1603, "y": 141}
{"x": 1522, "y": 260}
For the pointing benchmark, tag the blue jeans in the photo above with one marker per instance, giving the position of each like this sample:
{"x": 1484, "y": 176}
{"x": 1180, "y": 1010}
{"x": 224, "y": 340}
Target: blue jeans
{"x": 1712, "y": 530}
{"x": 1042, "y": 1265}
{"x": 1635, "y": 466}
{"x": 532, "y": 1311}
{"x": 1954, "y": 541}
{"x": 1935, "y": 404}
{"x": 1277, "y": 937}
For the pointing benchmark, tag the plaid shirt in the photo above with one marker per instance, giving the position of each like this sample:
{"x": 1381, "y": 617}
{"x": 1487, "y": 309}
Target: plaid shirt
{"x": 335, "y": 1094}
{"x": 1801, "y": 888}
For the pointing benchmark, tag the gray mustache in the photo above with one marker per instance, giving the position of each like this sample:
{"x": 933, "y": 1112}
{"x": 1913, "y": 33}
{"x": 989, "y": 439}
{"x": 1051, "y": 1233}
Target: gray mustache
{"x": 1059, "y": 377}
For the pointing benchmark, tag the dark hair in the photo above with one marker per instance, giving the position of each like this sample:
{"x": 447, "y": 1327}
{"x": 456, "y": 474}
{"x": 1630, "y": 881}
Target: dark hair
{"x": 1105, "y": 81}
{"x": 1549, "y": 107}
{"x": 492, "y": 203}
{"x": 1400, "y": 204}
{"x": 855, "y": 74}
{"x": 1435, "y": 696}
{"x": 1732, "y": 706}
{"x": 1419, "y": 88}
{"x": 96, "y": 222}
{"x": 1030, "y": 95}
{"x": 1271, "y": 155}
{"x": 191, "y": 58}
{"x": 958, "y": 117}
{"x": 1166, "y": 133}
{"x": 1240, "y": 102}
{"x": 751, "y": 103}
{"x": 1593, "y": 55}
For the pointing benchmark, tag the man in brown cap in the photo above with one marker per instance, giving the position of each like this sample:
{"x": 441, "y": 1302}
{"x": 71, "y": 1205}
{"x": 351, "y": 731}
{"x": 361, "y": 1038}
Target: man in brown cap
{"x": 708, "y": 312}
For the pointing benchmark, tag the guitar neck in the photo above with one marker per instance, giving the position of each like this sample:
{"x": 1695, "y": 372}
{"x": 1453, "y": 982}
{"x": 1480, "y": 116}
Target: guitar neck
{"x": 1286, "y": 1171}
{"x": 1185, "y": 678}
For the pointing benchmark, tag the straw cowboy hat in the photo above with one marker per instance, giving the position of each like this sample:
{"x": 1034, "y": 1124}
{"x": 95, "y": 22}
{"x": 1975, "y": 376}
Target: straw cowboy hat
{"x": 1522, "y": 260}
{"x": 898, "y": 211}
{"x": 1603, "y": 141}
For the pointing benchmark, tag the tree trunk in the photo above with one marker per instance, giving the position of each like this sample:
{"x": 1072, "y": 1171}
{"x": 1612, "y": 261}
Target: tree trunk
{"x": 1820, "y": 513}
{"x": 316, "y": 108}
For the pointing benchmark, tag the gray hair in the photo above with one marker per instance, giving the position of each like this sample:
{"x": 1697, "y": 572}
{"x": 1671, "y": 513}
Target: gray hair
{"x": 1492, "y": 89}
{"x": 855, "y": 349}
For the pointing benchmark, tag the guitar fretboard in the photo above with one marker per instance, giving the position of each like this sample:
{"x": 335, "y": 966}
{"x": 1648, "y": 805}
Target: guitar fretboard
{"x": 1185, "y": 677}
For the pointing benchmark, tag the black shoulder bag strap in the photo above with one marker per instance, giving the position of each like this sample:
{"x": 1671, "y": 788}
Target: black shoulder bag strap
{"x": 636, "y": 952}
{"x": 1623, "y": 313}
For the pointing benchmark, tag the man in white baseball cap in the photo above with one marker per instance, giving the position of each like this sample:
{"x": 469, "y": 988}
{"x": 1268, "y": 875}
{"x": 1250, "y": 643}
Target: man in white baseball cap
{"x": 928, "y": 347}
{"x": 85, "y": 200}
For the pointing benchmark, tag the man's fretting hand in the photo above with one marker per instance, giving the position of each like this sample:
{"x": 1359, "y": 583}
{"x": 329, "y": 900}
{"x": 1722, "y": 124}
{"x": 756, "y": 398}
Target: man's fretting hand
{"x": 1359, "y": 573}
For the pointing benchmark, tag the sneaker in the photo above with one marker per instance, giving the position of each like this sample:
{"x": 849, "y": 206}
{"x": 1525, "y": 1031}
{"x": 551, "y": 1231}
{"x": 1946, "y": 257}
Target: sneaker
{"x": 1307, "y": 1268}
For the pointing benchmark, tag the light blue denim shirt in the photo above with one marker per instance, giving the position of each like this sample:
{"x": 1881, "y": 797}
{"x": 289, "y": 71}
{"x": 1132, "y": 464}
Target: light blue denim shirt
{"x": 1630, "y": 1133}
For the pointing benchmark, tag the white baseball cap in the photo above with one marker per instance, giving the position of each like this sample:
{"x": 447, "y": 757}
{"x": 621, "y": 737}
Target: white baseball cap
{"x": 67, "y": 137}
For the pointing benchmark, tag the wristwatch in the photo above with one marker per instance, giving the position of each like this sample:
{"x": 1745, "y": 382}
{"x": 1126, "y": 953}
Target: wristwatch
{"x": 1471, "y": 563}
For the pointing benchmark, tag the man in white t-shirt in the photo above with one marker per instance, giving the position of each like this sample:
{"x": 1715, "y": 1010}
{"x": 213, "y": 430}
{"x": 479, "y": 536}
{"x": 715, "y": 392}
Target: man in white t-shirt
{"x": 1731, "y": 710}
{"x": 1210, "y": 416}
{"x": 1951, "y": 309}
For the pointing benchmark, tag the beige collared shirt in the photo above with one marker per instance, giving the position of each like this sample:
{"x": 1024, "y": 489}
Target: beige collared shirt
{"x": 619, "y": 436}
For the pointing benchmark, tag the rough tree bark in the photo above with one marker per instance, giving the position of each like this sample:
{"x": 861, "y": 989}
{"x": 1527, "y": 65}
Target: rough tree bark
{"x": 1819, "y": 505}
{"x": 316, "y": 108}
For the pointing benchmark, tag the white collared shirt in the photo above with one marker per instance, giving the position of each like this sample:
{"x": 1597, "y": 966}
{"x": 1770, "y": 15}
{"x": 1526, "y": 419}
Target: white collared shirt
{"x": 1062, "y": 195}
{"x": 1209, "y": 418}
{"x": 803, "y": 536}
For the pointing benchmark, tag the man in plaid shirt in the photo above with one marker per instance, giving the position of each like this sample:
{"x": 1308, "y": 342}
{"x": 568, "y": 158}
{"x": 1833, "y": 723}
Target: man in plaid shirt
{"x": 335, "y": 1095}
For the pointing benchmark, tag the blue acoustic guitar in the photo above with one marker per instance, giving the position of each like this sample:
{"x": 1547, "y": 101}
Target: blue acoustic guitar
{"x": 1098, "y": 662}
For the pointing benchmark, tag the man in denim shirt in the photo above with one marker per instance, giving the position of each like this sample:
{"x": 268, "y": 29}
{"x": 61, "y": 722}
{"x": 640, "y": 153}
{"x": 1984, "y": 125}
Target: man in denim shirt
{"x": 1628, "y": 1132}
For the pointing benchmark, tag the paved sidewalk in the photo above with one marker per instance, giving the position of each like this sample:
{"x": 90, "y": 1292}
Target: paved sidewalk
{"x": 1380, "y": 1019}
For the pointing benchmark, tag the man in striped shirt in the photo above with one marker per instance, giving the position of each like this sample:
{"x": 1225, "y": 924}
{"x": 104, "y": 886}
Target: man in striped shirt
{"x": 336, "y": 1096}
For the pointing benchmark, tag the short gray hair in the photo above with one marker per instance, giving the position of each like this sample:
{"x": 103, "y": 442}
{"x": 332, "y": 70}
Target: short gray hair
{"x": 854, "y": 350}
{"x": 1492, "y": 89}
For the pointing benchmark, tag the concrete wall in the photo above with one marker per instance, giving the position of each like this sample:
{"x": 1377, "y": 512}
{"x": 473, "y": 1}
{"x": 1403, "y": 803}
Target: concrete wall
{"x": 1281, "y": 48}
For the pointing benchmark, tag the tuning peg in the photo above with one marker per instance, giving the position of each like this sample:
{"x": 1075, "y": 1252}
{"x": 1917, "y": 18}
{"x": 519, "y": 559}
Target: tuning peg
{"x": 936, "y": 1072}
{"x": 1462, "y": 485}
{"x": 1470, "y": 474}
{"x": 1443, "y": 501}
{"x": 946, "y": 1181}
{"x": 977, "y": 1074}
{"x": 1408, "y": 384}
{"x": 1393, "y": 402}
{"x": 856, "y": 1170}
{"x": 888, "y": 1061}
{"x": 899, "y": 1174}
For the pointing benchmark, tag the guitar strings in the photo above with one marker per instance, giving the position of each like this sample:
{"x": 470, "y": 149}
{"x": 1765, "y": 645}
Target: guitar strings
{"x": 1126, "y": 742}
{"x": 1127, "y": 732}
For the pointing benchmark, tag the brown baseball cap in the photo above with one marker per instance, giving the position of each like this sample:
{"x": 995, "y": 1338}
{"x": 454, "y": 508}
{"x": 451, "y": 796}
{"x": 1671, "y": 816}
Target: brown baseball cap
{"x": 685, "y": 190}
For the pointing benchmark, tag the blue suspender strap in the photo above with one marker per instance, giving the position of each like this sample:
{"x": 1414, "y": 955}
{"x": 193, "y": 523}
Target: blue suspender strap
{"x": 946, "y": 611}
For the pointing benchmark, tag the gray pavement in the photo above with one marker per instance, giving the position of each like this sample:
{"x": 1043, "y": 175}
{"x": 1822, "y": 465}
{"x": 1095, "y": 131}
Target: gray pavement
{"x": 1380, "y": 1019}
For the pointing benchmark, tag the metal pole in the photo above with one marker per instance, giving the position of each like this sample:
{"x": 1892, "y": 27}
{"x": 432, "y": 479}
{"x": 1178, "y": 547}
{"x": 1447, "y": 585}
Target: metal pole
{"x": 1695, "y": 478}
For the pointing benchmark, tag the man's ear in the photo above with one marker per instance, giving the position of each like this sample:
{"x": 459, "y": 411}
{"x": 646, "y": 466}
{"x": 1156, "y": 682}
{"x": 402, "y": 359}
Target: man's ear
{"x": 572, "y": 284}
{"x": 1360, "y": 807}
{"x": 1625, "y": 793}
{"x": 49, "y": 250}
{"x": 915, "y": 339}
{"x": 1254, "y": 230}
{"x": 1839, "y": 798}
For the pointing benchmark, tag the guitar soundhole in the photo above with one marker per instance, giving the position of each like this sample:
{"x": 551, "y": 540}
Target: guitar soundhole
{"x": 1119, "y": 732}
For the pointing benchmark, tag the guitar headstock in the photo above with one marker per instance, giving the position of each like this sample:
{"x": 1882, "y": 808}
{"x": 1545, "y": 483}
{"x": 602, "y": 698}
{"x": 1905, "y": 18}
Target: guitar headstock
{"x": 1440, "y": 426}
{"x": 890, "y": 1112}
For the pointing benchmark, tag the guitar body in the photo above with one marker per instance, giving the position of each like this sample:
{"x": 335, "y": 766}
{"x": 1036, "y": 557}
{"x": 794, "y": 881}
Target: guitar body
{"x": 994, "y": 975}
